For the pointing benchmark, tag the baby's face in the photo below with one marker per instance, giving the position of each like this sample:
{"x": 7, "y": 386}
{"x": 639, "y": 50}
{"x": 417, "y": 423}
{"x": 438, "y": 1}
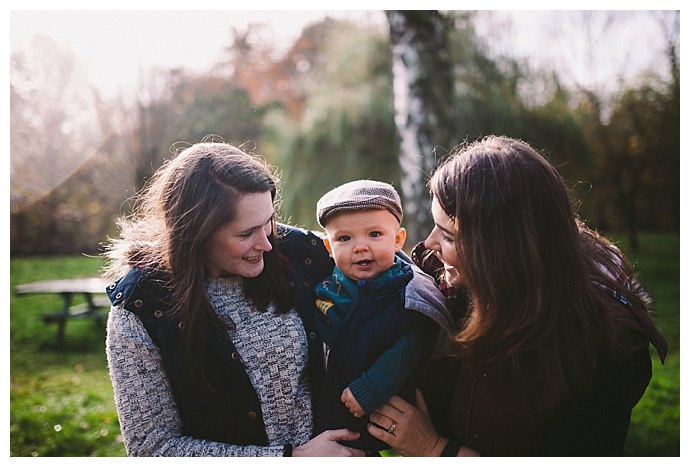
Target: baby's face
{"x": 363, "y": 243}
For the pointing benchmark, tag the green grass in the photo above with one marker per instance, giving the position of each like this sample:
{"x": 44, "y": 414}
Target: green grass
{"x": 655, "y": 425}
{"x": 61, "y": 401}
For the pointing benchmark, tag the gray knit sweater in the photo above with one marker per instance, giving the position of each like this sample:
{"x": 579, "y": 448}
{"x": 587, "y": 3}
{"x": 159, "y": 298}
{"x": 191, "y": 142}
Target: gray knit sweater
{"x": 273, "y": 348}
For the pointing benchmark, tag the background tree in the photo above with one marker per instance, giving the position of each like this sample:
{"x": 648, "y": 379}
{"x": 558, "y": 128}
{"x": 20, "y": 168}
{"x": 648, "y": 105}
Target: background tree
{"x": 53, "y": 120}
{"x": 423, "y": 96}
{"x": 634, "y": 136}
{"x": 59, "y": 134}
{"x": 345, "y": 128}
{"x": 502, "y": 95}
{"x": 323, "y": 110}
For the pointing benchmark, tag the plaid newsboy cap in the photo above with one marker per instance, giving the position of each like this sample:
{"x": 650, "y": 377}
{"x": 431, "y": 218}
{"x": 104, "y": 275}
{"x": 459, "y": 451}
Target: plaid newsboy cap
{"x": 359, "y": 195}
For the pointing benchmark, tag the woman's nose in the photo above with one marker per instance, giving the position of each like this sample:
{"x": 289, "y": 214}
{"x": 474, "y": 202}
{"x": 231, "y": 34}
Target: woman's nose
{"x": 264, "y": 243}
{"x": 430, "y": 242}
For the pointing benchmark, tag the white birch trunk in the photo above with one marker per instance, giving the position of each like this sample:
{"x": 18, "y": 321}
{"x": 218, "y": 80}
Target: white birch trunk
{"x": 419, "y": 116}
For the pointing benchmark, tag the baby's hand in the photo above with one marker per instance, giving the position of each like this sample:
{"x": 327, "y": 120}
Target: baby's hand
{"x": 351, "y": 403}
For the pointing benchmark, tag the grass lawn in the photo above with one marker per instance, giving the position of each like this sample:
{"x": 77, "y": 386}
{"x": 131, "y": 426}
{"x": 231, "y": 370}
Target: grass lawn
{"x": 655, "y": 426}
{"x": 61, "y": 401}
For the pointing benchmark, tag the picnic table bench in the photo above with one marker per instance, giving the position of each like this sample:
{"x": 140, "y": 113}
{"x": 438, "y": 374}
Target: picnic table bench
{"x": 91, "y": 288}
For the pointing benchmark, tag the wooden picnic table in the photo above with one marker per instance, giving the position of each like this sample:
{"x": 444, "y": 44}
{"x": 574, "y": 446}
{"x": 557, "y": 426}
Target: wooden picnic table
{"x": 91, "y": 288}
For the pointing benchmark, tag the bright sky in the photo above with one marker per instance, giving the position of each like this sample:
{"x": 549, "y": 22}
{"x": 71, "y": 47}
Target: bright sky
{"x": 115, "y": 45}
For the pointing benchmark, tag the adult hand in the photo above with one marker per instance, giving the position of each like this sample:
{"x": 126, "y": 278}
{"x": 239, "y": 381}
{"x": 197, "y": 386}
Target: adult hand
{"x": 406, "y": 428}
{"x": 326, "y": 445}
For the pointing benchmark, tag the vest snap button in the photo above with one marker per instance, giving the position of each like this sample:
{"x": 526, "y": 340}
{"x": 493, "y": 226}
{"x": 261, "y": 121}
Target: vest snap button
{"x": 234, "y": 355}
{"x": 118, "y": 295}
{"x": 251, "y": 415}
{"x": 158, "y": 313}
{"x": 307, "y": 261}
{"x": 138, "y": 303}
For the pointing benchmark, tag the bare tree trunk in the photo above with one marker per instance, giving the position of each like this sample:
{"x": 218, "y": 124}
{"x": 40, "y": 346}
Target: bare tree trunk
{"x": 423, "y": 91}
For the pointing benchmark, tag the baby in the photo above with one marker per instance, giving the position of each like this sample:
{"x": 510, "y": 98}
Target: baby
{"x": 378, "y": 314}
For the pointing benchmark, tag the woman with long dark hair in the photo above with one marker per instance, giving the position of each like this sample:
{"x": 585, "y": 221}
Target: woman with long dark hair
{"x": 552, "y": 351}
{"x": 211, "y": 344}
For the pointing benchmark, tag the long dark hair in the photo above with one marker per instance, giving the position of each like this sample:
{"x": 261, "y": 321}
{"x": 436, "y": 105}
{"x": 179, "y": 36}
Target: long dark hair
{"x": 183, "y": 204}
{"x": 531, "y": 267}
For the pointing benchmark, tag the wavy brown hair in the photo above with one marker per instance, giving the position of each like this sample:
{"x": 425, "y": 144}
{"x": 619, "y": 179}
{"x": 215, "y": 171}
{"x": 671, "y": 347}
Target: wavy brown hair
{"x": 182, "y": 205}
{"x": 530, "y": 266}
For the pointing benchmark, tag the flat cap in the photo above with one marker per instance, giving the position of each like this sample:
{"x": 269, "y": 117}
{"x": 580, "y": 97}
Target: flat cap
{"x": 359, "y": 195}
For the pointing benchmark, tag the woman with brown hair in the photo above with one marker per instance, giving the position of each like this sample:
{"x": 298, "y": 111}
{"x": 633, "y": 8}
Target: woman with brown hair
{"x": 552, "y": 351}
{"x": 211, "y": 344}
